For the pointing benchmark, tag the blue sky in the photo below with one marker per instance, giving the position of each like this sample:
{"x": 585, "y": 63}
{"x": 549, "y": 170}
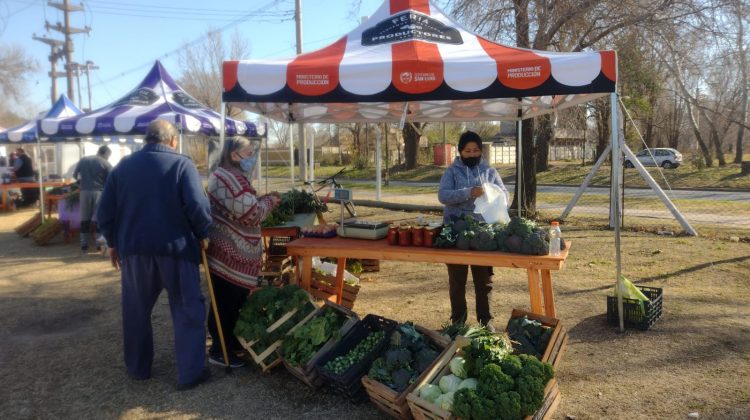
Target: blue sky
{"x": 128, "y": 35}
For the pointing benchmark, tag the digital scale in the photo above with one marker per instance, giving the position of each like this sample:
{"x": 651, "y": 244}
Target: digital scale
{"x": 363, "y": 230}
{"x": 359, "y": 229}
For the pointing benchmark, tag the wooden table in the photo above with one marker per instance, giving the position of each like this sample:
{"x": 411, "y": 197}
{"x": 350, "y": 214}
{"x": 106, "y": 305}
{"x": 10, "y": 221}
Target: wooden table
{"x": 18, "y": 185}
{"x": 537, "y": 267}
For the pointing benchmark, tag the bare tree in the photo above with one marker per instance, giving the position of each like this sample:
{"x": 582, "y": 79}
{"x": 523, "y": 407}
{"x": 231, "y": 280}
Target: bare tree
{"x": 740, "y": 14}
{"x": 201, "y": 66}
{"x": 15, "y": 68}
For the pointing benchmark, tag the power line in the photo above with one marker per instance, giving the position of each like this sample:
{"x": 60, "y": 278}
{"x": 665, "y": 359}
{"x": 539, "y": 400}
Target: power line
{"x": 189, "y": 44}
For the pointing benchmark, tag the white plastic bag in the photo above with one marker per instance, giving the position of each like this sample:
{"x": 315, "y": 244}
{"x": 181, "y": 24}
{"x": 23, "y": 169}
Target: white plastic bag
{"x": 493, "y": 204}
{"x": 330, "y": 269}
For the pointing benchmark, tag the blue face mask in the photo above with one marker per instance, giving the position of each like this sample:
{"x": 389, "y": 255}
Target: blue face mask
{"x": 248, "y": 164}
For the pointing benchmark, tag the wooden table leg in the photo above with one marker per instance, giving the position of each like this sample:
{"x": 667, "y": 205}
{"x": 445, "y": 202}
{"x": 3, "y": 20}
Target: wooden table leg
{"x": 340, "y": 268}
{"x": 549, "y": 297}
{"x": 535, "y": 292}
{"x": 306, "y": 272}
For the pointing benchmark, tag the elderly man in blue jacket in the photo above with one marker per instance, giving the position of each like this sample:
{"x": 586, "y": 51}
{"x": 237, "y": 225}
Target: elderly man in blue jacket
{"x": 155, "y": 216}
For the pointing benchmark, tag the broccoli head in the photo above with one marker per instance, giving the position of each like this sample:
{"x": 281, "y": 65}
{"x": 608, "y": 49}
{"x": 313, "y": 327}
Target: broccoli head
{"x": 535, "y": 244}
{"x": 500, "y": 238}
{"x": 534, "y": 367}
{"x": 492, "y": 381}
{"x": 397, "y": 358}
{"x": 521, "y": 227}
{"x": 401, "y": 379}
{"x": 513, "y": 243}
{"x": 460, "y": 225}
{"x": 464, "y": 239}
{"x": 531, "y": 390}
{"x": 511, "y": 365}
{"x": 379, "y": 371}
{"x": 508, "y": 406}
{"x": 484, "y": 240}
{"x": 424, "y": 358}
{"x": 463, "y": 401}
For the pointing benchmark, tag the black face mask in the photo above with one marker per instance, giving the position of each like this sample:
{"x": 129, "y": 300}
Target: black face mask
{"x": 471, "y": 161}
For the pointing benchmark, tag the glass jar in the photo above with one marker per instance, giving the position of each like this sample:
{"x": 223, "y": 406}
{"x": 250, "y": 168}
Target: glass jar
{"x": 392, "y": 237}
{"x": 428, "y": 236}
{"x": 417, "y": 236}
{"x": 404, "y": 236}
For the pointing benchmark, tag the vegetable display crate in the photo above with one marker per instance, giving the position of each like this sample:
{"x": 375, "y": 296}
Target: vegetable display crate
{"x": 392, "y": 402}
{"x": 424, "y": 410}
{"x": 637, "y": 315}
{"x": 25, "y": 228}
{"x": 307, "y": 373}
{"x": 322, "y": 287}
{"x": 349, "y": 383}
{"x": 268, "y": 358}
{"x": 46, "y": 231}
{"x": 370, "y": 265}
{"x": 558, "y": 341}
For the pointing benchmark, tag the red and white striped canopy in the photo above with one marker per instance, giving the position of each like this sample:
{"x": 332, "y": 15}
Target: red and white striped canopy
{"x": 410, "y": 57}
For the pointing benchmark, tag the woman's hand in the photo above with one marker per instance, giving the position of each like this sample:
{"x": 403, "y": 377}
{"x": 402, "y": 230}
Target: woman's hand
{"x": 476, "y": 192}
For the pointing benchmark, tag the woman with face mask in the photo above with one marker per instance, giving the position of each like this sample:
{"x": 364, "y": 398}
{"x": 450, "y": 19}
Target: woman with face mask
{"x": 460, "y": 185}
{"x": 235, "y": 247}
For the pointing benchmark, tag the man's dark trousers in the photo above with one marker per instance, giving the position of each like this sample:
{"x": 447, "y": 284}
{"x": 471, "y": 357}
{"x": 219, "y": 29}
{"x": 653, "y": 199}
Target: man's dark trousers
{"x": 143, "y": 278}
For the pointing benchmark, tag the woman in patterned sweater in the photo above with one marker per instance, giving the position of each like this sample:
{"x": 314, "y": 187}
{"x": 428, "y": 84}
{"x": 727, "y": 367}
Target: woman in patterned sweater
{"x": 235, "y": 250}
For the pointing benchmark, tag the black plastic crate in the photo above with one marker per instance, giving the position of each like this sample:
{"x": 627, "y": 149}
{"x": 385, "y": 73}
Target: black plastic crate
{"x": 349, "y": 383}
{"x": 634, "y": 316}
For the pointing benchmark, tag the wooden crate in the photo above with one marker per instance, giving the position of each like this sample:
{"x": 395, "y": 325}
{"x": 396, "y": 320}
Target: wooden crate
{"x": 424, "y": 410}
{"x": 322, "y": 287}
{"x": 307, "y": 373}
{"x": 370, "y": 265}
{"x": 25, "y": 228}
{"x": 558, "y": 341}
{"x": 388, "y": 400}
{"x": 259, "y": 357}
{"x": 47, "y": 231}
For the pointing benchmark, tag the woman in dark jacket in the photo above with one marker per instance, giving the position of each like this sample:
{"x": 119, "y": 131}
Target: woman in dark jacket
{"x": 460, "y": 185}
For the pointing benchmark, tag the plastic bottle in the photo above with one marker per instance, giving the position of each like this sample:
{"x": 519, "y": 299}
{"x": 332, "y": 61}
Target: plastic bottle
{"x": 554, "y": 239}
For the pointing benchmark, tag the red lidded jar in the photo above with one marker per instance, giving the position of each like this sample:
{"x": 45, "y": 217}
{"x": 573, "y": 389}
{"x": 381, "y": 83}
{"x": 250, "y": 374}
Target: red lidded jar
{"x": 429, "y": 236}
{"x": 392, "y": 237}
{"x": 417, "y": 236}
{"x": 404, "y": 236}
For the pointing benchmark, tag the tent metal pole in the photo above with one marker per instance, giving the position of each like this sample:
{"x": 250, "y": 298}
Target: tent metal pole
{"x": 266, "y": 166}
{"x": 41, "y": 176}
{"x": 659, "y": 192}
{"x": 616, "y": 204}
{"x": 519, "y": 159}
{"x": 222, "y": 134}
{"x": 586, "y": 182}
{"x": 311, "y": 173}
{"x": 378, "y": 163}
{"x": 291, "y": 153}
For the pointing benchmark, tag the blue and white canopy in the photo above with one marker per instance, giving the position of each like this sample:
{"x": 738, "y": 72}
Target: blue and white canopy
{"x": 27, "y": 132}
{"x": 157, "y": 97}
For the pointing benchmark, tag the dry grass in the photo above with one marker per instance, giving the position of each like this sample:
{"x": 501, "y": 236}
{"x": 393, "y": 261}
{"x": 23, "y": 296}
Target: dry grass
{"x": 61, "y": 353}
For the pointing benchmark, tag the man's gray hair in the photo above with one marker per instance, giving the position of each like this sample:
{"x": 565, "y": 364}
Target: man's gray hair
{"x": 160, "y": 131}
{"x": 231, "y": 145}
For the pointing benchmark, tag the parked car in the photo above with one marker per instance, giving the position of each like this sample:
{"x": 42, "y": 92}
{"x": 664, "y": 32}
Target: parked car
{"x": 665, "y": 157}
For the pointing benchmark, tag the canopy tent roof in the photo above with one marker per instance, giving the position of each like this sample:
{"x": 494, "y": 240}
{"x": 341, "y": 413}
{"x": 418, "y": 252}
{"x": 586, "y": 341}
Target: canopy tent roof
{"x": 27, "y": 132}
{"x": 410, "y": 53}
{"x": 158, "y": 96}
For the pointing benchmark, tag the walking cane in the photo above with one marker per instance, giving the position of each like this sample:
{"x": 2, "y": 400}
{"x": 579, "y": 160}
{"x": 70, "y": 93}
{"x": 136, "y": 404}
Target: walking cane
{"x": 228, "y": 368}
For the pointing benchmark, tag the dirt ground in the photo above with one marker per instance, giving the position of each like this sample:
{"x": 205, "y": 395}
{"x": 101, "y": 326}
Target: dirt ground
{"x": 61, "y": 357}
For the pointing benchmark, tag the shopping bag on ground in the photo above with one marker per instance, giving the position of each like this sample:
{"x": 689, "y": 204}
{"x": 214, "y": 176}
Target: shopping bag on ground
{"x": 493, "y": 204}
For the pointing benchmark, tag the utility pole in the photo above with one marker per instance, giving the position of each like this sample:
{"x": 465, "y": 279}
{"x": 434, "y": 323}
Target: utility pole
{"x": 84, "y": 69}
{"x": 56, "y": 53}
{"x": 89, "y": 66}
{"x": 67, "y": 30}
{"x": 300, "y": 126}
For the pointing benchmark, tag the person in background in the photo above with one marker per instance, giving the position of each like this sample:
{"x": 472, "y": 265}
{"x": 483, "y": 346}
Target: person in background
{"x": 155, "y": 216}
{"x": 91, "y": 172}
{"x": 460, "y": 185}
{"x": 235, "y": 250}
{"x": 23, "y": 167}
